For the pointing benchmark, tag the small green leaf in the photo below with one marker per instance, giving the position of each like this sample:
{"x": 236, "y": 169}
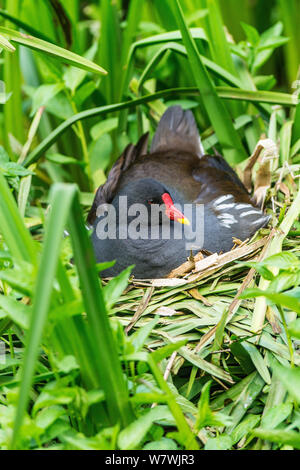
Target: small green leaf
{"x": 251, "y": 33}
{"x": 294, "y": 328}
{"x": 114, "y": 289}
{"x": 103, "y": 127}
{"x": 63, "y": 159}
{"x": 46, "y": 417}
{"x": 167, "y": 350}
{"x": 221, "y": 442}
{"x": 18, "y": 312}
{"x": 163, "y": 444}
{"x": 43, "y": 94}
{"x": 74, "y": 77}
{"x": 131, "y": 436}
{"x": 67, "y": 364}
{"x": 13, "y": 169}
{"x": 139, "y": 337}
{"x": 205, "y": 416}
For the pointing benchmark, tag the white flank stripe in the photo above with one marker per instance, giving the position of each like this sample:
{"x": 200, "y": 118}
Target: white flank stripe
{"x": 258, "y": 221}
{"x": 227, "y": 225}
{"x": 222, "y": 199}
{"x": 242, "y": 206}
{"x": 227, "y": 218}
{"x": 245, "y": 214}
{"x": 225, "y": 206}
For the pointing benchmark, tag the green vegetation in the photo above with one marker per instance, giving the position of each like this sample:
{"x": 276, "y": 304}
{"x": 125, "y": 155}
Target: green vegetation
{"x": 206, "y": 362}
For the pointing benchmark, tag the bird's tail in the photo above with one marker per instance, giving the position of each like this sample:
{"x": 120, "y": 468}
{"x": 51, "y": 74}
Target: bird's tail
{"x": 177, "y": 130}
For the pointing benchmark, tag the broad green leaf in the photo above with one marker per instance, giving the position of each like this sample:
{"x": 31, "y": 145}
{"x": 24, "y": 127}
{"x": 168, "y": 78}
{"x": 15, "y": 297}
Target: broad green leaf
{"x": 290, "y": 377}
{"x": 131, "y": 436}
{"x": 283, "y": 260}
{"x": 18, "y": 312}
{"x": 103, "y": 127}
{"x": 272, "y": 43}
{"x": 276, "y": 415}
{"x": 221, "y": 442}
{"x": 46, "y": 417}
{"x": 285, "y": 300}
{"x": 262, "y": 56}
{"x": 162, "y": 444}
{"x": 280, "y": 437}
{"x": 265, "y": 82}
{"x": 74, "y": 77}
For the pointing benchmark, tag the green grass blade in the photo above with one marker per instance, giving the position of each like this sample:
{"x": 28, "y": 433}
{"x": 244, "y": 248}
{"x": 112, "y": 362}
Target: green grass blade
{"x": 109, "y": 49}
{"x": 217, "y": 70}
{"x": 275, "y": 246}
{"x": 12, "y": 227}
{"x": 216, "y": 110}
{"x": 268, "y": 97}
{"x": 218, "y": 42}
{"x": 133, "y": 18}
{"x": 186, "y": 433}
{"x": 285, "y": 142}
{"x": 289, "y": 10}
{"x": 104, "y": 346}
{"x": 172, "y": 36}
{"x": 13, "y": 83}
{"x": 26, "y": 27}
{"x": 61, "y": 200}
{"x": 55, "y": 51}
{"x": 257, "y": 96}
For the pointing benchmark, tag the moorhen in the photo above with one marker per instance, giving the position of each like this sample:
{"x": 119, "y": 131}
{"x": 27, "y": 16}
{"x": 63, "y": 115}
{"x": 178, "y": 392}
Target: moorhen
{"x": 175, "y": 173}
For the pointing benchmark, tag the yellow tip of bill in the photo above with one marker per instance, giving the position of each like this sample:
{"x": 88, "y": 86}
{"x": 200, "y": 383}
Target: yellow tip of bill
{"x": 184, "y": 221}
